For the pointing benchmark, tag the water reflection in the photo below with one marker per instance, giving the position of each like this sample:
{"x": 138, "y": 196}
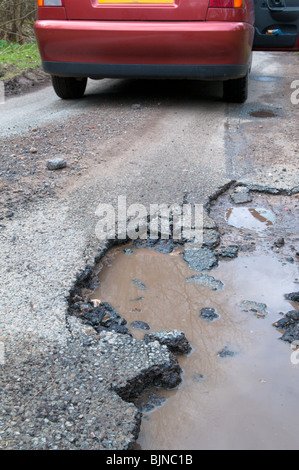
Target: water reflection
{"x": 248, "y": 401}
{"x": 250, "y": 218}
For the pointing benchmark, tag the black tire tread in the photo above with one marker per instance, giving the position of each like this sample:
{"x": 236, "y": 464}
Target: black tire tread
{"x": 236, "y": 90}
{"x": 69, "y": 88}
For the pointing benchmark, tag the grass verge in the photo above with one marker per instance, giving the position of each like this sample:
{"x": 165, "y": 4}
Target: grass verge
{"x": 16, "y": 58}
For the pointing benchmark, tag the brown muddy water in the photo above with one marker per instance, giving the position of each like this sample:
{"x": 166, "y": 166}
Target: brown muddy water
{"x": 248, "y": 397}
{"x": 263, "y": 113}
{"x": 247, "y": 400}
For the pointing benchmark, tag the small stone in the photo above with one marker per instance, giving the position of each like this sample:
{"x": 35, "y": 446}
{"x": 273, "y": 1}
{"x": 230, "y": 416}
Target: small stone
{"x": 208, "y": 314}
{"x": 290, "y": 320}
{"x": 33, "y": 150}
{"x": 259, "y": 309}
{"x": 175, "y": 340}
{"x": 140, "y": 325}
{"x": 226, "y": 352}
{"x": 293, "y": 296}
{"x": 291, "y": 335}
{"x": 279, "y": 242}
{"x": 56, "y": 164}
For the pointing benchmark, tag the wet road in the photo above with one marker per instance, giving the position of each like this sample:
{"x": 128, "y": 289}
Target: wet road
{"x": 152, "y": 142}
{"x": 180, "y": 138}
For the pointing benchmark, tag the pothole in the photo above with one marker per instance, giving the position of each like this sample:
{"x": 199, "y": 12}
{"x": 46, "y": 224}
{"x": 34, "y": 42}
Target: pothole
{"x": 239, "y": 383}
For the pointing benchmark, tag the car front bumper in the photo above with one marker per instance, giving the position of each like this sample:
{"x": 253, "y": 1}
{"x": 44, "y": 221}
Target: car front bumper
{"x": 102, "y": 49}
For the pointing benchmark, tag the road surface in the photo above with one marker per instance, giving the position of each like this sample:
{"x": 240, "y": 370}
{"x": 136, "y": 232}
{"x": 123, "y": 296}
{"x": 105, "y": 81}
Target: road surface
{"x": 152, "y": 142}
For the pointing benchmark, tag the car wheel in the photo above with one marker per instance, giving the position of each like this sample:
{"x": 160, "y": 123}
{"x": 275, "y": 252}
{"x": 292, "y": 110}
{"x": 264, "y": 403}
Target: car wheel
{"x": 69, "y": 88}
{"x": 236, "y": 90}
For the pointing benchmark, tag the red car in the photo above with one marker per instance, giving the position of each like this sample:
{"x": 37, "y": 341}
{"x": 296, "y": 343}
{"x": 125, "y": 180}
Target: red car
{"x": 196, "y": 39}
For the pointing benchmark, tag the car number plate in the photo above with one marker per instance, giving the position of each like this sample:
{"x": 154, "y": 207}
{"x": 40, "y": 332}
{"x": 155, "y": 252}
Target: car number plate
{"x": 136, "y": 1}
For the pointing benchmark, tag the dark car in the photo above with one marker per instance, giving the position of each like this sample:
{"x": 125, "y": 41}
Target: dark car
{"x": 196, "y": 39}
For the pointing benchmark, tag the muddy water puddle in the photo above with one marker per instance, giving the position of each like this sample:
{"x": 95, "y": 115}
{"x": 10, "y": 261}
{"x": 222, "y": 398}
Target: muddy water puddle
{"x": 240, "y": 384}
{"x": 239, "y": 388}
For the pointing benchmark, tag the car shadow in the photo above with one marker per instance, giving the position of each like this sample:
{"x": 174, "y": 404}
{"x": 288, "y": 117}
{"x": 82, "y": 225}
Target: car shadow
{"x": 147, "y": 92}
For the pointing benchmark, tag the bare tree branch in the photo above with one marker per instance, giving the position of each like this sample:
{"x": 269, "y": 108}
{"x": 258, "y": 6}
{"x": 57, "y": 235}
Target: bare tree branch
{"x": 16, "y": 19}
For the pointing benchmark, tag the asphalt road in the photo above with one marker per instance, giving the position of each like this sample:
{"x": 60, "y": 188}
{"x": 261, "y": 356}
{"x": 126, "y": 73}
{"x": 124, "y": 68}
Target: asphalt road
{"x": 153, "y": 142}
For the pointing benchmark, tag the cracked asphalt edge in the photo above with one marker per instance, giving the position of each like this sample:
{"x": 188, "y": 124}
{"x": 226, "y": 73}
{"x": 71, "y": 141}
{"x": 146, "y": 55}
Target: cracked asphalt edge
{"x": 61, "y": 387}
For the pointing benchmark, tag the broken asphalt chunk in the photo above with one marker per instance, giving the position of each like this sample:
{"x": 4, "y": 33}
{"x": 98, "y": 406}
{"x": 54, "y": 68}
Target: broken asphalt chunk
{"x": 206, "y": 281}
{"x": 175, "y": 340}
{"x": 293, "y": 296}
{"x": 208, "y": 314}
{"x": 290, "y": 325}
{"x": 200, "y": 259}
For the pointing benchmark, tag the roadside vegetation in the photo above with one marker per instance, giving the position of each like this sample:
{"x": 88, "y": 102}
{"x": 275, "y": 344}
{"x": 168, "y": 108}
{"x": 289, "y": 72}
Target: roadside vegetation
{"x": 18, "y": 49}
{"x": 17, "y": 58}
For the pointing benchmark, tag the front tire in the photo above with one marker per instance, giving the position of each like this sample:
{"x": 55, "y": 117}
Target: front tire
{"x": 69, "y": 88}
{"x": 236, "y": 90}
